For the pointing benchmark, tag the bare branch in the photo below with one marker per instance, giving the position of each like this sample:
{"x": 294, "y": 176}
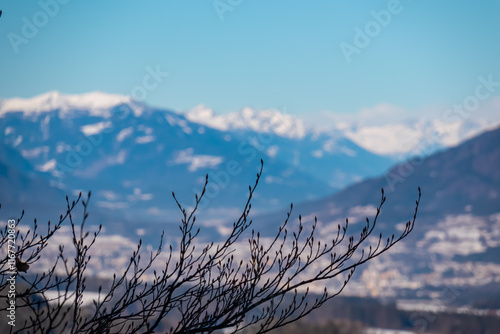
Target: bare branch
{"x": 197, "y": 289}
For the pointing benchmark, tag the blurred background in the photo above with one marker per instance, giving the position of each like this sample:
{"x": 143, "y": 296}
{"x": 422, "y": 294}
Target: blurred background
{"x": 135, "y": 100}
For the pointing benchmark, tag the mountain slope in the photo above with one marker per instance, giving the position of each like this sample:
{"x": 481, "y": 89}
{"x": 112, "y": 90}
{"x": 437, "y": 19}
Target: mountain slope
{"x": 132, "y": 156}
{"x": 463, "y": 179}
{"x": 23, "y": 188}
{"x": 455, "y": 238}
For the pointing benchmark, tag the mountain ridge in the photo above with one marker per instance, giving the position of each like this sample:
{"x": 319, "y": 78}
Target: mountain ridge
{"x": 395, "y": 139}
{"x": 455, "y": 238}
{"x": 132, "y": 161}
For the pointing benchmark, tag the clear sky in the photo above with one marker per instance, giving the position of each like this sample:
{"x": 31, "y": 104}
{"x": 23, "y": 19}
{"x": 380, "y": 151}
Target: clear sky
{"x": 228, "y": 54}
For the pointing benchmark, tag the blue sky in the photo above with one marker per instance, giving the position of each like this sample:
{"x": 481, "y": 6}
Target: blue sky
{"x": 229, "y": 54}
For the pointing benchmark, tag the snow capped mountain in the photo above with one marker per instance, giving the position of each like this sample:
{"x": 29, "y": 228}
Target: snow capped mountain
{"x": 337, "y": 152}
{"x": 133, "y": 156}
{"x": 130, "y": 155}
{"x": 266, "y": 121}
{"x": 417, "y": 137}
{"x": 95, "y": 102}
{"x": 456, "y": 229}
{"x": 397, "y": 139}
{"x": 132, "y": 160}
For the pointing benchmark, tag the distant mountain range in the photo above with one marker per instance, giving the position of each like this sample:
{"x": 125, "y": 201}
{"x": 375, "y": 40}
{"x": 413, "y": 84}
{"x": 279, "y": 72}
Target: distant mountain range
{"x": 133, "y": 156}
{"x": 461, "y": 180}
{"x": 397, "y": 139}
{"x": 456, "y": 240}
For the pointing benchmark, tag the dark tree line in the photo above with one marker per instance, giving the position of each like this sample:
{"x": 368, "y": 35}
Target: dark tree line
{"x": 196, "y": 290}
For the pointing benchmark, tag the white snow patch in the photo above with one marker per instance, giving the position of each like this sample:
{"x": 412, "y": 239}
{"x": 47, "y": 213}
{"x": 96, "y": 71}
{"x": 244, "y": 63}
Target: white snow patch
{"x": 139, "y": 196}
{"x": 317, "y": 153}
{"x": 157, "y": 211}
{"x": 195, "y": 161}
{"x": 95, "y": 102}
{"x": 348, "y": 151}
{"x": 109, "y": 195}
{"x": 147, "y": 130}
{"x": 386, "y": 139}
{"x": 272, "y": 151}
{"x": 274, "y": 179}
{"x": 387, "y": 331}
{"x": 118, "y": 159}
{"x": 171, "y": 119}
{"x": 93, "y": 129}
{"x": 77, "y": 192}
{"x": 9, "y": 130}
{"x": 145, "y": 139}
{"x": 48, "y": 166}
{"x": 265, "y": 121}
{"x": 112, "y": 205}
{"x": 457, "y": 235}
{"x": 54, "y": 297}
{"x": 35, "y": 152}
{"x": 61, "y": 147}
{"x": 18, "y": 141}
{"x": 124, "y": 134}
{"x": 224, "y": 230}
{"x": 203, "y": 115}
{"x": 361, "y": 211}
{"x": 44, "y": 127}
